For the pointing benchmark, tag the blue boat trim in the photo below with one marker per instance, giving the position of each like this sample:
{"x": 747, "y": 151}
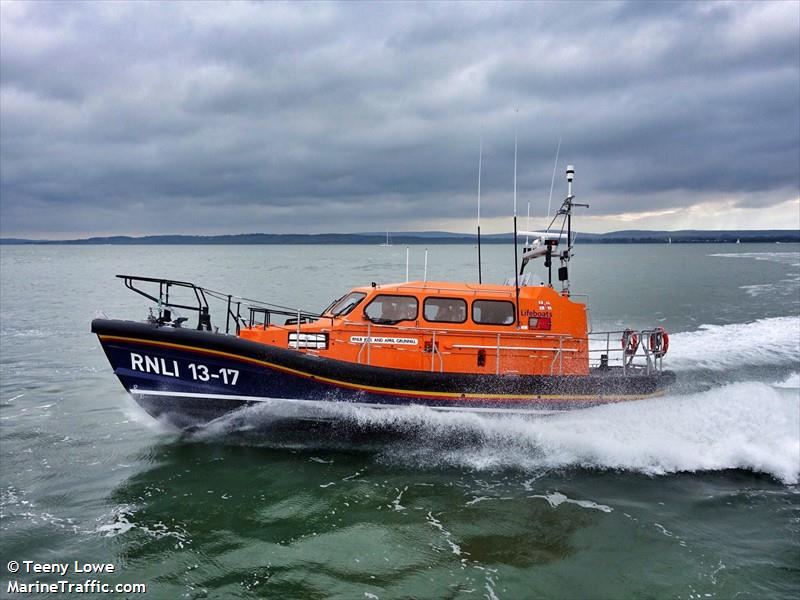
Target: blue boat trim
{"x": 325, "y": 403}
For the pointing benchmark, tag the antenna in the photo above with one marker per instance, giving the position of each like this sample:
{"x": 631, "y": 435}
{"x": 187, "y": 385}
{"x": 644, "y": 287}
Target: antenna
{"x": 425, "y": 276}
{"x": 407, "y": 256}
{"x": 515, "y": 169}
{"x": 528, "y": 222}
{"x": 553, "y": 180}
{"x": 516, "y": 264}
{"x": 570, "y": 177}
{"x": 480, "y": 165}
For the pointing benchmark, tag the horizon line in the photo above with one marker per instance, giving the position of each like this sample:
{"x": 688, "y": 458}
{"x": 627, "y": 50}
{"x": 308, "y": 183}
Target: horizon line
{"x": 416, "y": 234}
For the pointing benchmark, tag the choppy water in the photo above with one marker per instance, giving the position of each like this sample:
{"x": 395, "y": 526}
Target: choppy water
{"x": 693, "y": 495}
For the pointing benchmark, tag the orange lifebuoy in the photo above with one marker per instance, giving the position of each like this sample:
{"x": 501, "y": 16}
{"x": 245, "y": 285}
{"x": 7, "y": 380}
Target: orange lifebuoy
{"x": 630, "y": 342}
{"x": 659, "y": 342}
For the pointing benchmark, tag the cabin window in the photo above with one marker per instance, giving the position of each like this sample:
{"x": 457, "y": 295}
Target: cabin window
{"x": 445, "y": 310}
{"x": 388, "y": 310}
{"x": 346, "y": 305}
{"x": 493, "y": 312}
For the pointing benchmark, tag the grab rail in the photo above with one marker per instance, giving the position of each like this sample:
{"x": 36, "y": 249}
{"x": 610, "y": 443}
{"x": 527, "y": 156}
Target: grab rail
{"x": 501, "y": 348}
{"x": 562, "y": 346}
{"x": 642, "y": 358}
{"x": 434, "y": 353}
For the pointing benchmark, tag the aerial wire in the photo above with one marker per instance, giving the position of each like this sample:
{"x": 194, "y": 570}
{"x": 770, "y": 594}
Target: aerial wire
{"x": 480, "y": 165}
{"x": 553, "y": 180}
{"x": 516, "y": 263}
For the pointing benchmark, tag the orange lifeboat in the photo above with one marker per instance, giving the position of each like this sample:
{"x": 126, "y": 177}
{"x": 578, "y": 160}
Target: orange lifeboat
{"x": 515, "y": 348}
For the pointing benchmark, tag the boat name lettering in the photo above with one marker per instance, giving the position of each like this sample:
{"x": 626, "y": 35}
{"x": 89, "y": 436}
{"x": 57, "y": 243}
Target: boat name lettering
{"x": 152, "y": 364}
{"x": 360, "y": 339}
{"x": 169, "y": 368}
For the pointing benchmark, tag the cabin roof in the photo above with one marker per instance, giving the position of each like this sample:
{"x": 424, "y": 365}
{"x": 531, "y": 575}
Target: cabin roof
{"x": 454, "y": 287}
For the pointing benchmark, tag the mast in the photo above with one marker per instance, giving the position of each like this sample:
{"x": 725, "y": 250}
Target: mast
{"x": 545, "y": 242}
{"x": 563, "y": 273}
{"x": 480, "y": 164}
{"x": 570, "y": 177}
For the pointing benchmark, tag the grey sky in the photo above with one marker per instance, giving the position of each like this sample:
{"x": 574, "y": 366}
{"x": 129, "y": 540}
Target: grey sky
{"x": 144, "y": 118}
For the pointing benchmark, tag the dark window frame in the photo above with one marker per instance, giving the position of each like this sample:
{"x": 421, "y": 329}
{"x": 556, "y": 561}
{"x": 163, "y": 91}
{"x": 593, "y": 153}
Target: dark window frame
{"x": 513, "y": 312}
{"x": 344, "y": 313}
{"x": 466, "y": 306}
{"x": 391, "y": 321}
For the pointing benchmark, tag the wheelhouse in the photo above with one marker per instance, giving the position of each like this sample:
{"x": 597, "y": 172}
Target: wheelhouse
{"x": 443, "y": 326}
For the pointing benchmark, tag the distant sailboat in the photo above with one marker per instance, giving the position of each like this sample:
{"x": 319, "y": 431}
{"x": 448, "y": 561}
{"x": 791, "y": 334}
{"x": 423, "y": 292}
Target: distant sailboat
{"x": 388, "y": 241}
{"x": 669, "y": 240}
{"x": 738, "y": 241}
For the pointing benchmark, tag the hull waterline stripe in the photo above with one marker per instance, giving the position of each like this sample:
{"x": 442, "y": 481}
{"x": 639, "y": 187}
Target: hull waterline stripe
{"x": 327, "y": 403}
{"x": 391, "y": 391}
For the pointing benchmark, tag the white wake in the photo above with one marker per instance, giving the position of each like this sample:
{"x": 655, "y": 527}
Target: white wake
{"x": 750, "y": 425}
{"x": 766, "y": 342}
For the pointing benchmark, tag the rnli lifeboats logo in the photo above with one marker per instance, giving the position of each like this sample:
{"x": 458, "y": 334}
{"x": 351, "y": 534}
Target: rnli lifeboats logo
{"x": 545, "y": 309}
{"x": 360, "y": 339}
{"x": 527, "y": 312}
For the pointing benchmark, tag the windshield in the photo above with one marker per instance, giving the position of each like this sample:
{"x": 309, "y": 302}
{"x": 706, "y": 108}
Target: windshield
{"x": 344, "y": 306}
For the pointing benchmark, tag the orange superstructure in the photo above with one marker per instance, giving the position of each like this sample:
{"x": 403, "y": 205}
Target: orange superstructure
{"x": 445, "y": 326}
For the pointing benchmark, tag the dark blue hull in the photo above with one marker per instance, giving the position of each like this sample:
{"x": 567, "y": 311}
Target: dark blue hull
{"x": 190, "y": 377}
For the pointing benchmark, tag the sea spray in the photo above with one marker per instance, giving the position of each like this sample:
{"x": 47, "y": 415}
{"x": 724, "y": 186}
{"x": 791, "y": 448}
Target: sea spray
{"x": 712, "y": 423}
{"x": 747, "y": 426}
{"x": 751, "y": 426}
{"x": 765, "y": 342}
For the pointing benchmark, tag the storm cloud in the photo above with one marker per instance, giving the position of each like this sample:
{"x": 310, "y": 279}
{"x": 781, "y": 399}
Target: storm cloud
{"x": 146, "y": 118}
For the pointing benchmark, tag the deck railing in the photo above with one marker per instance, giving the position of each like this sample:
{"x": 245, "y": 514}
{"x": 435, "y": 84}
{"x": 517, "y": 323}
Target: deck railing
{"x": 158, "y": 291}
{"x": 636, "y": 351}
{"x": 606, "y": 349}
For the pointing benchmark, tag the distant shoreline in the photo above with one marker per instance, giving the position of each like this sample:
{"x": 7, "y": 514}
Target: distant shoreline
{"x": 430, "y": 238}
